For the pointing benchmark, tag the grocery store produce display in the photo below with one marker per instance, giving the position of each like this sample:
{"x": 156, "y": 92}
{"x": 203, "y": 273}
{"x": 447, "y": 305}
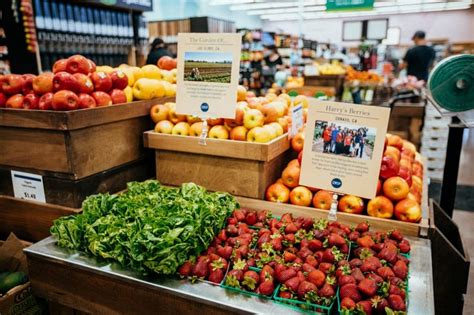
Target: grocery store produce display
{"x": 307, "y": 264}
{"x": 399, "y": 189}
{"x": 149, "y": 228}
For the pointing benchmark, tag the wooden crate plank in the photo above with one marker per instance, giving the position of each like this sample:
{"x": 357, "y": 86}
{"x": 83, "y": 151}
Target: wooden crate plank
{"x": 216, "y": 147}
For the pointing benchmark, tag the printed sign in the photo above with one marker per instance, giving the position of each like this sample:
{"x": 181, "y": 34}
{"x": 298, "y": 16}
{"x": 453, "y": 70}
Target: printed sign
{"x": 296, "y": 119}
{"x": 343, "y": 147}
{"x": 28, "y": 186}
{"x": 208, "y": 74}
{"x": 349, "y": 5}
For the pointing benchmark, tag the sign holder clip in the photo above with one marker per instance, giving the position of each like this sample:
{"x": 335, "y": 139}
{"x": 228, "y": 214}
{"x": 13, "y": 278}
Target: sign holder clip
{"x": 202, "y": 138}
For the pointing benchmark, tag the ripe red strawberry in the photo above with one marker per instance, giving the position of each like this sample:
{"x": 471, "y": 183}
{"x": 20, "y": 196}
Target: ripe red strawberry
{"x": 344, "y": 249}
{"x": 390, "y": 241}
{"x": 336, "y": 240}
{"x": 362, "y": 227}
{"x": 404, "y": 259}
{"x": 250, "y": 280}
{"x": 243, "y": 228}
{"x": 350, "y": 290}
{"x": 304, "y": 252}
{"x": 307, "y": 224}
{"x": 396, "y": 291}
{"x": 216, "y": 275}
{"x": 288, "y": 257}
{"x": 279, "y": 268}
{"x": 185, "y": 269}
{"x": 264, "y": 238}
{"x": 290, "y": 238}
{"x": 273, "y": 223}
{"x": 363, "y": 252}
{"x": 231, "y": 221}
{"x": 396, "y": 302}
{"x": 251, "y": 262}
{"x": 285, "y": 275}
{"x": 234, "y": 277}
{"x": 378, "y": 279}
{"x": 224, "y": 251}
{"x": 396, "y": 235}
{"x": 365, "y": 306}
{"x": 200, "y": 269}
{"x": 319, "y": 255}
{"x": 355, "y": 262}
{"x": 306, "y": 287}
{"x": 385, "y": 272}
{"x": 266, "y": 287}
{"x": 239, "y": 215}
{"x": 251, "y": 218}
{"x": 285, "y": 295}
{"x": 357, "y": 274}
{"x": 379, "y": 304}
{"x": 308, "y": 268}
{"x": 242, "y": 250}
{"x": 293, "y": 283}
{"x": 232, "y": 230}
{"x": 326, "y": 267}
{"x": 317, "y": 277}
{"x": 276, "y": 243}
{"x": 343, "y": 262}
{"x": 263, "y": 231}
{"x": 346, "y": 279}
{"x": 326, "y": 291}
{"x": 345, "y": 229}
{"x": 368, "y": 287}
{"x": 258, "y": 224}
{"x": 365, "y": 241}
{"x": 377, "y": 247}
{"x": 388, "y": 253}
{"x": 286, "y": 218}
{"x": 315, "y": 245}
{"x": 396, "y": 281}
{"x": 262, "y": 215}
{"x": 291, "y": 228}
{"x": 311, "y": 260}
{"x": 298, "y": 261}
{"x": 267, "y": 272}
{"x": 404, "y": 246}
{"x": 353, "y": 236}
{"x": 370, "y": 264}
{"x": 348, "y": 304}
{"x": 328, "y": 255}
{"x": 301, "y": 275}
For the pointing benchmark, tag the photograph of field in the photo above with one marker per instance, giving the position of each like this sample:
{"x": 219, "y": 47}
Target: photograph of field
{"x": 207, "y": 67}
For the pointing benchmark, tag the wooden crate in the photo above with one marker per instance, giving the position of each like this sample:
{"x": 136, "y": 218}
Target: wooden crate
{"x": 71, "y": 192}
{"x": 332, "y": 80}
{"x": 241, "y": 168}
{"x": 74, "y": 144}
{"x": 27, "y": 219}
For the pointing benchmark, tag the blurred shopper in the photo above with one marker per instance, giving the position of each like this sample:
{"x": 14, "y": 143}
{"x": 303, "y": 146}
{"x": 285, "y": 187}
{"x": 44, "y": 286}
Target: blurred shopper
{"x": 157, "y": 50}
{"x": 420, "y": 58}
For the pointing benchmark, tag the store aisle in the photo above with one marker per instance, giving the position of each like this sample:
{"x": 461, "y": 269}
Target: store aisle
{"x": 465, "y": 221}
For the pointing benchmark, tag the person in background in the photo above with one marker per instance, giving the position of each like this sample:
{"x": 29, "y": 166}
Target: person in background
{"x": 157, "y": 50}
{"x": 334, "y": 133}
{"x": 420, "y": 58}
{"x": 272, "y": 57}
{"x": 347, "y": 143}
{"x": 327, "y": 138}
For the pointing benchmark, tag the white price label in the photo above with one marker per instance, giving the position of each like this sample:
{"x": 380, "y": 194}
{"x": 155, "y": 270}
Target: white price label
{"x": 296, "y": 119}
{"x": 28, "y": 186}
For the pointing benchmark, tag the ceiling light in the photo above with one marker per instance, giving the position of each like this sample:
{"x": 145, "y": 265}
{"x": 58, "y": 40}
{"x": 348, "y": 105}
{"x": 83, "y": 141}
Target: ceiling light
{"x": 277, "y": 4}
{"x": 286, "y": 10}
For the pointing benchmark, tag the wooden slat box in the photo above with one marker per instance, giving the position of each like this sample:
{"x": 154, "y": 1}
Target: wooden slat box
{"x": 238, "y": 167}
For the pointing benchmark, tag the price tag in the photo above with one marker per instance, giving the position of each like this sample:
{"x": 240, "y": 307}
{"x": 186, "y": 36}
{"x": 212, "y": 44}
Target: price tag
{"x": 296, "y": 119}
{"x": 28, "y": 186}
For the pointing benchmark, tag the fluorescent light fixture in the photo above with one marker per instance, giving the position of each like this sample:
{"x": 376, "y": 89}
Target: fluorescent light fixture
{"x": 274, "y": 5}
{"x": 232, "y": 2}
{"x": 286, "y": 10}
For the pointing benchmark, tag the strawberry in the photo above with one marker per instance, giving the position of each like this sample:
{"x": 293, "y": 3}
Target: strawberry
{"x": 344, "y": 249}
{"x": 389, "y": 254}
{"x": 320, "y": 234}
{"x": 370, "y": 264}
{"x": 394, "y": 290}
{"x": 404, "y": 246}
{"x": 404, "y": 259}
{"x": 396, "y": 235}
{"x": 216, "y": 275}
{"x": 353, "y": 236}
{"x": 267, "y": 272}
{"x": 326, "y": 291}
{"x": 233, "y": 278}
{"x": 315, "y": 245}
{"x": 357, "y": 274}
{"x": 285, "y": 275}
{"x": 385, "y": 272}
{"x": 343, "y": 270}
{"x": 307, "y": 224}
{"x": 290, "y": 238}
{"x": 301, "y": 275}
{"x": 232, "y": 221}
{"x": 286, "y": 218}
{"x": 279, "y": 268}
{"x": 377, "y": 247}
{"x": 378, "y": 279}
{"x": 219, "y": 263}
{"x": 298, "y": 261}
{"x": 334, "y": 224}
{"x": 242, "y": 251}
{"x": 239, "y": 215}
{"x": 288, "y": 257}
{"x": 379, "y": 304}
{"x": 251, "y": 218}
{"x": 396, "y": 281}
{"x": 213, "y": 256}
{"x": 222, "y": 235}
{"x": 319, "y": 255}
{"x": 262, "y": 215}
{"x": 240, "y": 265}
{"x": 308, "y": 268}
{"x": 291, "y": 228}
{"x": 276, "y": 242}
{"x": 355, "y": 262}
{"x": 250, "y": 280}
{"x": 345, "y": 229}
{"x": 304, "y": 288}
{"x": 348, "y": 304}
{"x": 266, "y": 287}
{"x": 365, "y": 307}
{"x": 363, "y": 252}
{"x": 396, "y": 302}
{"x": 273, "y": 223}
{"x": 200, "y": 269}
{"x": 328, "y": 255}
{"x": 317, "y": 277}
{"x": 326, "y": 267}
{"x": 365, "y": 241}
{"x": 350, "y": 291}
{"x": 304, "y": 252}
{"x": 336, "y": 240}
{"x": 285, "y": 295}
{"x": 263, "y": 231}
{"x": 259, "y": 224}
{"x": 243, "y": 228}
{"x": 311, "y": 260}
{"x": 342, "y": 263}
{"x": 251, "y": 262}
{"x": 224, "y": 251}
{"x": 346, "y": 279}
{"x": 390, "y": 241}
{"x": 362, "y": 227}
{"x": 368, "y": 287}
{"x": 185, "y": 269}
{"x": 232, "y": 230}
{"x": 292, "y": 284}
{"x": 264, "y": 238}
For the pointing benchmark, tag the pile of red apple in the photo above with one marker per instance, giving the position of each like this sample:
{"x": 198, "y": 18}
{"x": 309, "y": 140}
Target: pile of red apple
{"x": 74, "y": 84}
{"x": 399, "y": 189}
{"x": 305, "y": 260}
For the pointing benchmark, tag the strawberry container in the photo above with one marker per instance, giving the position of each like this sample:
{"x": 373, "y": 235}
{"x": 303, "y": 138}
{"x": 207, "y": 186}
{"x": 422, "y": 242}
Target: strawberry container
{"x": 243, "y": 291}
{"x": 306, "y": 307}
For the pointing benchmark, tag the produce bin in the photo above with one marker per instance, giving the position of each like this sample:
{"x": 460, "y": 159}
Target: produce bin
{"x": 238, "y": 167}
{"x": 332, "y": 80}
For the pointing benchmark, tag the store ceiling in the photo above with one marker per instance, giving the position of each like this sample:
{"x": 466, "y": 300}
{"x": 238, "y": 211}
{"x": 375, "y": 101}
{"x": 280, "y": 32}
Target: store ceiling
{"x": 278, "y": 10}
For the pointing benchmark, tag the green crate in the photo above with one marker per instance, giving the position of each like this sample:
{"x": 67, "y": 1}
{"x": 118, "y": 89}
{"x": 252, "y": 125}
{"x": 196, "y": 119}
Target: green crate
{"x": 245, "y": 292}
{"x": 305, "y": 307}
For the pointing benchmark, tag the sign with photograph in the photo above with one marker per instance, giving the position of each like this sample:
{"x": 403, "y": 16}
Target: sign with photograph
{"x": 343, "y": 147}
{"x": 208, "y": 74}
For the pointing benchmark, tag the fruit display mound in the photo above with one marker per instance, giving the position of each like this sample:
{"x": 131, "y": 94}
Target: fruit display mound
{"x": 307, "y": 265}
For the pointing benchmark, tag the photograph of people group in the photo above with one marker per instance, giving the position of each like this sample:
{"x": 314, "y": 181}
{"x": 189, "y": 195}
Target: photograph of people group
{"x": 343, "y": 139}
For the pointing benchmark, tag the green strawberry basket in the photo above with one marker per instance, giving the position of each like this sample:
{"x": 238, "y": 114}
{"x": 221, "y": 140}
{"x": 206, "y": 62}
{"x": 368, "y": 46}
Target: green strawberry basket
{"x": 303, "y": 306}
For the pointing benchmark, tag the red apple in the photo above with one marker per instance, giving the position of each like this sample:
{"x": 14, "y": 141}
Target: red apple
{"x": 379, "y": 187}
{"x": 322, "y": 200}
{"x": 118, "y": 96}
{"x": 277, "y": 193}
{"x": 3, "y": 99}
{"x": 59, "y": 65}
{"x": 92, "y": 66}
{"x": 65, "y": 81}
{"x": 31, "y": 101}
{"x": 28, "y": 88}
{"x": 297, "y": 143}
{"x": 405, "y": 173}
{"x": 45, "y": 102}
{"x": 119, "y": 79}
{"x": 380, "y": 207}
{"x": 65, "y": 100}
{"x": 389, "y": 167}
{"x": 301, "y": 196}
{"x": 102, "y": 81}
{"x": 43, "y": 83}
{"x": 408, "y": 210}
{"x": 84, "y": 83}
{"x": 300, "y": 157}
{"x": 86, "y": 101}
{"x": 395, "y": 188}
{"x": 15, "y": 101}
{"x": 102, "y": 98}
{"x": 78, "y": 64}
{"x": 167, "y": 63}
{"x": 351, "y": 204}
{"x": 13, "y": 84}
